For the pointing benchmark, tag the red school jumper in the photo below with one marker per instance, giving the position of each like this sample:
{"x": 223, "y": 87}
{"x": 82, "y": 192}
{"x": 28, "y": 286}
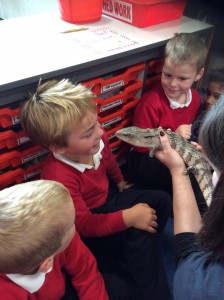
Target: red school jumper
{"x": 154, "y": 110}
{"x": 89, "y": 189}
{"x": 78, "y": 261}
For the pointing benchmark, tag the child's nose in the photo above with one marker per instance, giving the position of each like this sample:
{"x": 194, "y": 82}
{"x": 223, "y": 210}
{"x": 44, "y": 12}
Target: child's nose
{"x": 173, "y": 82}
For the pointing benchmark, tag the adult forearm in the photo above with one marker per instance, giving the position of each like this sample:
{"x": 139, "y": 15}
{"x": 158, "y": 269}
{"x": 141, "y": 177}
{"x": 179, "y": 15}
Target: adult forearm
{"x": 186, "y": 214}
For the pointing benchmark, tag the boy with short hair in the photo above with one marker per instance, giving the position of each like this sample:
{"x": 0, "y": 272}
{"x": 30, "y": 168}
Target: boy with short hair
{"x": 171, "y": 104}
{"x": 114, "y": 221}
{"x": 39, "y": 243}
{"x": 214, "y": 90}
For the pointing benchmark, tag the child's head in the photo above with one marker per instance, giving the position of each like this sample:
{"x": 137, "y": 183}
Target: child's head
{"x": 184, "y": 60}
{"x": 36, "y": 222}
{"x": 215, "y": 86}
{"x": 49, "y": 114}
{"x": 211, "y": 136}
{"x": 186, "y": 48}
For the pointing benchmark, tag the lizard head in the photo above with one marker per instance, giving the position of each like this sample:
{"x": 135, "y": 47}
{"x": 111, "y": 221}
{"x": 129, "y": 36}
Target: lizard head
{"x": 139, "y": 137}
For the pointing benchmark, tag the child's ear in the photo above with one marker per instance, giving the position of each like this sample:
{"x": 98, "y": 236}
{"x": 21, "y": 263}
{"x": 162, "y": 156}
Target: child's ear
{"x": 200, "y": 74}
{"x": 56, "y": 149}
{"x": 46, "y": 264}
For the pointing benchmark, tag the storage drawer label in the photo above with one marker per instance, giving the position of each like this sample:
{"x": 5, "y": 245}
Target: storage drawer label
{"x": 22, "y": 140}
{"x": 34, "y": 155}
{"x": 32, "y": 174}
{"x": 111, "y": 105}
{"x": 15, "y": 120}
{"x": 111, "y": 137}
{"x": 111, "y": 122}
{"x": 118, "y": 9}
{"x": 112, "y": 86}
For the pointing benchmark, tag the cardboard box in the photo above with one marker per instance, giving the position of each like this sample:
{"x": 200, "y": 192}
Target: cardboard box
{"x": 143, "y": 13}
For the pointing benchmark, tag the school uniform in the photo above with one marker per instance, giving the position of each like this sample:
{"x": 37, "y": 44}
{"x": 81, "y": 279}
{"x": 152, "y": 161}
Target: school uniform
{"x": 156, "y": 109}
{"x": 134, "y": 253}
{"x": 76, "y": 260}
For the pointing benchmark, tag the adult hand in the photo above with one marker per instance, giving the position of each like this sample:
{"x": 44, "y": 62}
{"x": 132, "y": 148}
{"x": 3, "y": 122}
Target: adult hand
{"x": 169, "y": 156}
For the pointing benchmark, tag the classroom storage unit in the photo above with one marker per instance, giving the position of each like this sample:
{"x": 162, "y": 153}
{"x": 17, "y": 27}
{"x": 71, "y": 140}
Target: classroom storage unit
{"x": 19, "y": 159}
{"x": 117, "y": 94}
{"x": 154, "y": 71}
{"x": 117, "y": 64}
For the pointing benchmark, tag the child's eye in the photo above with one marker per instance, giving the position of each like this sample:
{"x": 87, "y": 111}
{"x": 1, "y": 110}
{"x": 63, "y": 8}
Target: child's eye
{"x": 183, "y": 78}
{"x": 88, "y": 135}
{"x": 167, "y": 75}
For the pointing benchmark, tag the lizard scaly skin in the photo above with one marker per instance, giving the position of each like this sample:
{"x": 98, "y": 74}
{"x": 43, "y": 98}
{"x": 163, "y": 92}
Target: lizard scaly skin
{"x": 196, "y": 162}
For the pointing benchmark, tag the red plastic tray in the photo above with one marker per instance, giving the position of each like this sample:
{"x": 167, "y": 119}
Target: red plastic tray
{"x": 20, "y": 175}
{"x": 143, "y": 13}
{"x": 118, "y": 115}
{"x": 9, "y": 117}
{"x": 101, "y": 85}
{"x": 118, "y": 99}
{"x": 10, "y": 139}
{"x": 15, "y": 158}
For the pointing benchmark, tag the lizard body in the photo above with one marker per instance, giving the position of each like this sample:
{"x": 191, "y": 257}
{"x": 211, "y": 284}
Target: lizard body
{"x": 196, "y": 162}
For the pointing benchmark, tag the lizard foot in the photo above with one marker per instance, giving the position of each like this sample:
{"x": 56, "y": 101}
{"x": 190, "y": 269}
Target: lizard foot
{"x": 189, "y": 170}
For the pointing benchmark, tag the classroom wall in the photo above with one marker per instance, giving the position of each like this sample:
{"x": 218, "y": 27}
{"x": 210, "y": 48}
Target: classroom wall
{"x": 17, "y": 8}
{"x": 211, "y": 12}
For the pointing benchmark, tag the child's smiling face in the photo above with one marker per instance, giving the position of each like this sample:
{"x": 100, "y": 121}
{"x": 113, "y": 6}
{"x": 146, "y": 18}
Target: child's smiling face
{"x": 176, "y": 80}
{"x": 84, "y": 139}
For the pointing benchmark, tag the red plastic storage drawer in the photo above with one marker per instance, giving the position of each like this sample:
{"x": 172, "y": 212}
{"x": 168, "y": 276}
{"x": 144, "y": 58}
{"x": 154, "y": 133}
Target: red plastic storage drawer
{"x": 150, "y": 81}
{"x": 121, "y": 151}
{"x": 15, "y": 158}
{"x": 115, "y": 145}
{"x": 155, "y": 66}
{"x": 143, "y": 13}
{"x": 20, "y": 175}
{"x": 121, "y": 97}
{"x": 118, "y": 115}
{"x": 9, "y": 117}
{"x": 10, "y": 139}
{"x": 101, "y": 85}
{"x": 111, "y": 132}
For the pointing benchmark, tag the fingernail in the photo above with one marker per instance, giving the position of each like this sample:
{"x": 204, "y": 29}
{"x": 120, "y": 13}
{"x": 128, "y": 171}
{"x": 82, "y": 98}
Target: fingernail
{"x": 162, "y": 133}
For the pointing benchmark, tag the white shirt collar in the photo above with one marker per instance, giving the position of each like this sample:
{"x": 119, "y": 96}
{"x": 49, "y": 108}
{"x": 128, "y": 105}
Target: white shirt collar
{"x": 174, "y": 104}
{"x": 31, "y": 283}
{"x": 81, "y": 167}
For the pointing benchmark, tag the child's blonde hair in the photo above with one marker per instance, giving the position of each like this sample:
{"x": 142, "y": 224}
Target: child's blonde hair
{"x": 186, "y": 48}
{"x": 49, "y": 113}
{"x": 33, "y": 221}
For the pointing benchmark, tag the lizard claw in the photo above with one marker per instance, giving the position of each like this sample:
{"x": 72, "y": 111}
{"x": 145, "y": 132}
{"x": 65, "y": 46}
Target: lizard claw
{"x": 189, "y": 170}
{"x": 153, "y": 151}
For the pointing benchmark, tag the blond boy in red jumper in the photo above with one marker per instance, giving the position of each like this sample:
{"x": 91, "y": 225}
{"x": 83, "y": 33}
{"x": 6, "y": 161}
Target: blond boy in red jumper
{"x": 39, "y": 243}
{"x": 121, "y": 226}
{"x": 171, "y": 103}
